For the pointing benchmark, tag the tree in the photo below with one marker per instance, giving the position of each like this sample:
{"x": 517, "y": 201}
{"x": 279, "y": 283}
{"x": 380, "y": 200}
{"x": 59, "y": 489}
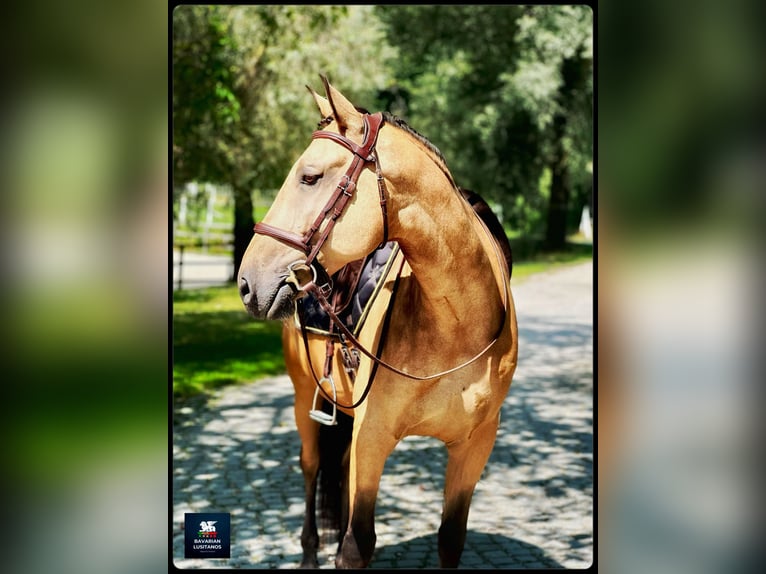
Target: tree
{"x": 205, "y": 108}
{"x": 210, "y": 136}
{"x": 241, "y": 113}
{"x": 558, "y": 42}
{"x": 506, "y": 93}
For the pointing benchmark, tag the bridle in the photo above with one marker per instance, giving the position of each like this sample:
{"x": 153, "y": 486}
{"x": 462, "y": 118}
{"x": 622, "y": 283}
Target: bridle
{"x": 336, "y": 205}
{"x": 320, "y": 285}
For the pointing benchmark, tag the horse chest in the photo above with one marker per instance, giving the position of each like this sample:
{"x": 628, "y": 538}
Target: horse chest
{"x": 421, "y": 408}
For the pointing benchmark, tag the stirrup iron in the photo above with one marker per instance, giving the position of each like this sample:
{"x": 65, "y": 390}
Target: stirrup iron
{"x": 318, "y": 414}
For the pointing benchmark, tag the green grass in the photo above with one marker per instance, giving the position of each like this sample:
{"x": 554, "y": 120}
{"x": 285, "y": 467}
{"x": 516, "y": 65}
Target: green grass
{"x": 538, "y": 263}
{"x": 215, "y": 342}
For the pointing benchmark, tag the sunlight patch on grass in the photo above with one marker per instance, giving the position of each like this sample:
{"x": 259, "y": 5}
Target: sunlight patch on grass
{"x": 215, "y": 342}
{"x": 524, "y": 269}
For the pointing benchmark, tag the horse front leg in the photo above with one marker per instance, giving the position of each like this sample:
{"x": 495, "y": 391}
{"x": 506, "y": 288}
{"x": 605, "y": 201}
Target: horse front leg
{"x": 369, "y": 451}
{"x": 465, "y": 463}
{"x": 308, "y": 430}
{"x": 309, "y": 534}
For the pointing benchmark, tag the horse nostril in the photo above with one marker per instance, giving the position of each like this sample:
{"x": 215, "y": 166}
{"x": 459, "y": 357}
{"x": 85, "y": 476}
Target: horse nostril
{"x": 244, "y": 290}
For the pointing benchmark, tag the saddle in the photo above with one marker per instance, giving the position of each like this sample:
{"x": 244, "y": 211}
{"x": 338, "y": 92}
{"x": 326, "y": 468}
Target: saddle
{"x": 354, "y": 289}
{"x": 356, "y": 285}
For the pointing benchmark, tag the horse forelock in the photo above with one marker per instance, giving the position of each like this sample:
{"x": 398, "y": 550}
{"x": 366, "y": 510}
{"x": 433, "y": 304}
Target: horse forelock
{"x": 324, "y": 122}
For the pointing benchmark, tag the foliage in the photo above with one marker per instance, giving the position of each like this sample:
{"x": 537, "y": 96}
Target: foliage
{"x": 486, "y": 83}
{"x": 240, "y": 112}
{"x": 504, "y": 91}
{"x": 205, "y": 108}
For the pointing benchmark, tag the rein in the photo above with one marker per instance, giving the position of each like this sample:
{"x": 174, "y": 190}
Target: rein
{"x": 320, "y": 286}
{"x": 315, "y": 290}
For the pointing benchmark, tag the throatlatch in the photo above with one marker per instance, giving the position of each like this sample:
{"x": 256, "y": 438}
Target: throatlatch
{"x": 317, "y": 283}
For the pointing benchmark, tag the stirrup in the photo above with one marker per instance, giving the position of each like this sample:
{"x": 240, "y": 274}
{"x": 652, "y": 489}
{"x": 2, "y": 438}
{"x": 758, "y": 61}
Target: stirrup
{"x": 318, "y": 414}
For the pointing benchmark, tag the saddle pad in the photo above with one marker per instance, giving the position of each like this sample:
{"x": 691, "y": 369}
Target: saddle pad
{"x": 375, "y": 267}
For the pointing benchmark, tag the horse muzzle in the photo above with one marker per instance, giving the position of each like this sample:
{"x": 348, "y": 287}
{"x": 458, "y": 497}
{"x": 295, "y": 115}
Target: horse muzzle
{"x": 273, "y": 300}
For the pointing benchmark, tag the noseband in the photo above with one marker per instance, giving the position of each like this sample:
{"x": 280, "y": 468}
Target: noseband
{"x": 339, "y": 200}
{"x": 320, "y": 286}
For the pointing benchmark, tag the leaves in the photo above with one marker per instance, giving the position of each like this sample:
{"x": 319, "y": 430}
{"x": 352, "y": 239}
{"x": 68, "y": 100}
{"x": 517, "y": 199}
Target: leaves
{"x": 505, "y": 92}
{"x": 487, "y": 83}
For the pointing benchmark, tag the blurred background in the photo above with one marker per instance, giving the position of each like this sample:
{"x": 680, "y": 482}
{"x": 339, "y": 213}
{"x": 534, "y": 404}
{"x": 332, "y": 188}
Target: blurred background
{"x": 83, "y": 162}
{"x": 681, "y": 181}
{"x": 676, "y": 195}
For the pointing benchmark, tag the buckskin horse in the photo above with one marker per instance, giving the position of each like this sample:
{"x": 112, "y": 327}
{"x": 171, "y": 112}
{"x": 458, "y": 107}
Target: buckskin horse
{"x": 436, "y": 347}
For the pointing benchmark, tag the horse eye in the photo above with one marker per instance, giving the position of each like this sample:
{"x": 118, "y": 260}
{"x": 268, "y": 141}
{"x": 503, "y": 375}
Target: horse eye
{"x": 308, "y": 179}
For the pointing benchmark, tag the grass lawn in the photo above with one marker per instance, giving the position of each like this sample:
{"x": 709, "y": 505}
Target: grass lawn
{"x": 549, "y": 261}
{"x": 215, "y": 342}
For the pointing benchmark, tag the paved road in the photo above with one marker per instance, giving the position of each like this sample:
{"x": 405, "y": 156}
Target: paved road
{"x": 533, "y": 507}
{"x": 200, "y": 269}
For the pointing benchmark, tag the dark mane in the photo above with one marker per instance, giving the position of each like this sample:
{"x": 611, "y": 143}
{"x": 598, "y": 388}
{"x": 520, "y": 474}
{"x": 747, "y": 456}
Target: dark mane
{"x": 400, "y": 123}
{"x": 482, "y": 209}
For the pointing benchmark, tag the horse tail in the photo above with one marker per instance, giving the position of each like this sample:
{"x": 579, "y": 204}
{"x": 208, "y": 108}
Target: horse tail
{"x": 334, "y": 443}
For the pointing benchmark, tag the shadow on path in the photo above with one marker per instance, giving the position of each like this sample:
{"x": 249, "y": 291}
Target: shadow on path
{"x": 238, "y": 452}
{"x": 421, "y": 552}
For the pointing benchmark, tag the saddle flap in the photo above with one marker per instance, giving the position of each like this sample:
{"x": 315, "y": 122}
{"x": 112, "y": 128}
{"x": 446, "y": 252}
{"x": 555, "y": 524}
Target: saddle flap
{"x": 353, "y": 288}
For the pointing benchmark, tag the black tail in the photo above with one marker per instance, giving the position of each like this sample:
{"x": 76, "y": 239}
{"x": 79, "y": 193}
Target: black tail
{"x": 334, "y": 442}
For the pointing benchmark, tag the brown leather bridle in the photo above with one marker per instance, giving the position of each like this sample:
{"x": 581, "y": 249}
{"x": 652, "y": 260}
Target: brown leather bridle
{"x": 320, "y": 286}
{"x": 339, "y": 200}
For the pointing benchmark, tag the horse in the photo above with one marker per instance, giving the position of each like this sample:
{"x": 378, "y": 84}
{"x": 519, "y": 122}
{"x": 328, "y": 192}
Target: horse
{"x": 437, "y": 350}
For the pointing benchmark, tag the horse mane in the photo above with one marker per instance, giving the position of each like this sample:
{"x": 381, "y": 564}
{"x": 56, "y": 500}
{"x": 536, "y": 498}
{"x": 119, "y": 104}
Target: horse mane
{"x": 482, "y": 209}
{"x": 401, "y": 124}
{"x": 474, "y": 199}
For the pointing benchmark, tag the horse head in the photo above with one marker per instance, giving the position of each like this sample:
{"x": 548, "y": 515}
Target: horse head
{"x": 305, "y": 223}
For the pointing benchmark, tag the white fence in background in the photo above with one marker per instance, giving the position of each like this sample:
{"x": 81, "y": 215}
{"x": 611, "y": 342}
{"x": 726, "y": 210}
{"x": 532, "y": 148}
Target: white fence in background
{"x": 192, "y": 269}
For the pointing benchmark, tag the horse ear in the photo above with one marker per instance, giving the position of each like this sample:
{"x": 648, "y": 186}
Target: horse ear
{"x": 346, "y": 114}
{"x": 325, "y": 109}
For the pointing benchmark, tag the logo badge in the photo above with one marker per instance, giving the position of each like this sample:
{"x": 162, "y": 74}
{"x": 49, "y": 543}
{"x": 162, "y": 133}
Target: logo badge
{"x": 207, "y": 535}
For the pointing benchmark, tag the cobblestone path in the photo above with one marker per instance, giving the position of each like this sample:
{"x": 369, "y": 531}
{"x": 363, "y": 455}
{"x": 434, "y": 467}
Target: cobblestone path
{"x": 533, "y": 507}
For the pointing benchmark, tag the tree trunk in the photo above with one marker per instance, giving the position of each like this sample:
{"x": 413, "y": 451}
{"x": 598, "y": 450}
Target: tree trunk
{"x": 573, "y": 72}
{"x": 243, "y": 224}
{"x": 558, "y": 203}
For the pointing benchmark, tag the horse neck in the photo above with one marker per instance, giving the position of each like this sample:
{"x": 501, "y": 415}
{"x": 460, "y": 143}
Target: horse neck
{"x": 457, "y": 275}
